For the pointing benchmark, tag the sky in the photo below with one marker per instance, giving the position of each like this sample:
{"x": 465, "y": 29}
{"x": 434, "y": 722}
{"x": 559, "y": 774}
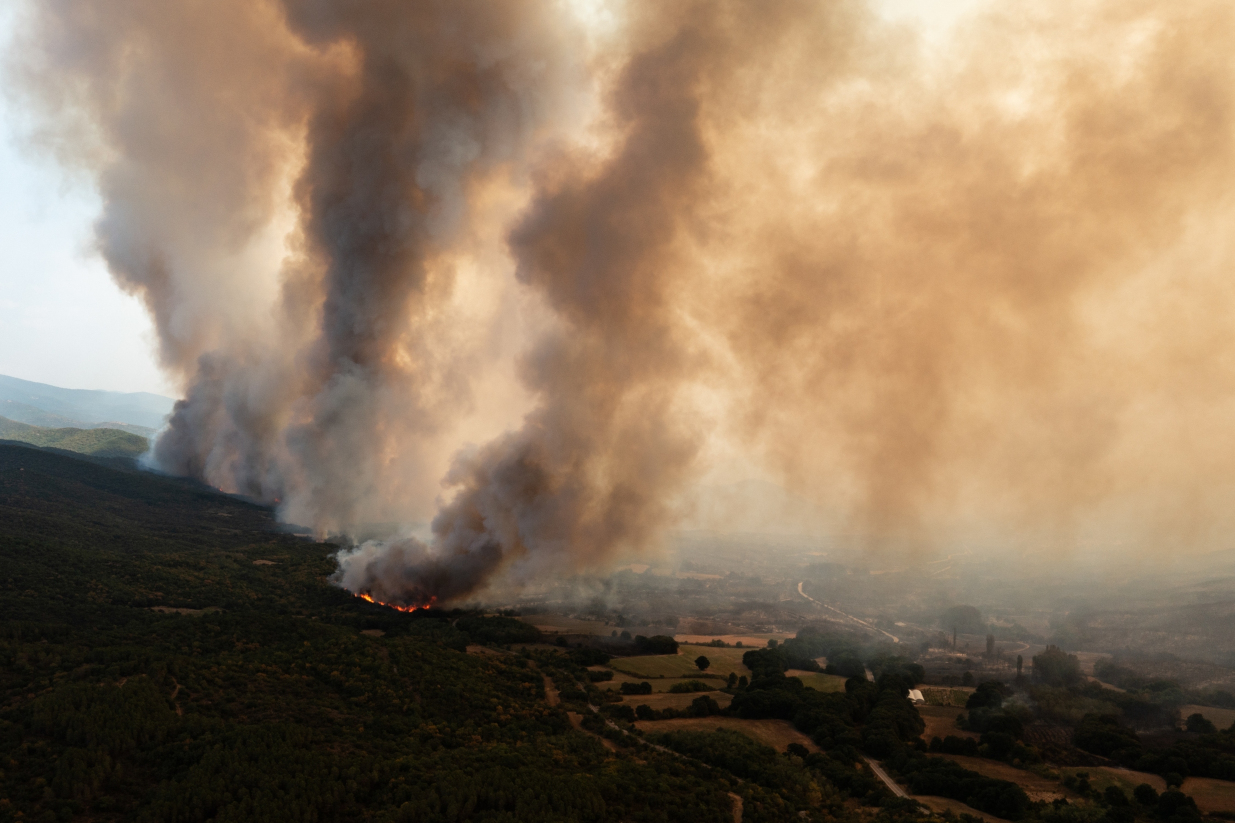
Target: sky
{"x": 63, "y": 320}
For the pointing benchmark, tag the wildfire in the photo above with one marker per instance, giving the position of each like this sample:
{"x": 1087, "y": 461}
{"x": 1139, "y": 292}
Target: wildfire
{"x": 369, "y": 598}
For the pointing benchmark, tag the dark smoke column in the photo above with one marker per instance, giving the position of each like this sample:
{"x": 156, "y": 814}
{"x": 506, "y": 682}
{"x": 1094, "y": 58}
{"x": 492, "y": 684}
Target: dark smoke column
{"x": 592, "y": 468}
{"x": 434, "y": 98}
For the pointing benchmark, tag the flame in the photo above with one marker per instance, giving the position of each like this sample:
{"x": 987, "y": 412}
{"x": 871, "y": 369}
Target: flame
{"x": 369, "y": 598}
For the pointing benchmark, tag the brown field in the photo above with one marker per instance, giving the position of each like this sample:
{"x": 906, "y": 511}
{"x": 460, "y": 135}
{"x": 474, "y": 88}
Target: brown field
{"x": 663, "y": 700}
{"x": 1038, "y": 788}
{"x": 1222, "y": 718}
{"x": 748, "y": 641}
{"x": 1211, "y": 795}
{"x": 1125, "y": 779}
{"x": 941, "y": 722}
{"x": 775, "y": 733}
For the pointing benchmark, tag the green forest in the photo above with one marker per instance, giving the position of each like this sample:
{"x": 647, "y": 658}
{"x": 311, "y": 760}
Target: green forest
{"x": 101, "y": 442}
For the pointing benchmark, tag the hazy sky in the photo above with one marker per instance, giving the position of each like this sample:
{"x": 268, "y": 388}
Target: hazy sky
{"x": 62, "y": 319}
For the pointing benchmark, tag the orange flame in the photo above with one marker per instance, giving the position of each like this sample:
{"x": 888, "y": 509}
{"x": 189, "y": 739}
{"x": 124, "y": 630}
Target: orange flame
{"x": 369, "y": 598}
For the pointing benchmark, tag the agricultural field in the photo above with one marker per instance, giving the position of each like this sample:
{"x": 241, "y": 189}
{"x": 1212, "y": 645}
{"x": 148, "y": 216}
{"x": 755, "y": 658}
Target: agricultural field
{"x": 941, "y": 722}
{"x": 1038, "y": 788}
{"x": 682, "y": 664}
{"x": 940, "y": 805}
{"x": 775, "y": 733}
{"x": 946, "y": 697}
{"x": 1222, "y": 718}
{"x": 819, "y": 681}
{"x": 664, "y": 700}
{"x": 658, "y": 684}
{"x": 748, "y": 641}
{"x": 1211, "y": 795}
{"x": 566, "y": 625}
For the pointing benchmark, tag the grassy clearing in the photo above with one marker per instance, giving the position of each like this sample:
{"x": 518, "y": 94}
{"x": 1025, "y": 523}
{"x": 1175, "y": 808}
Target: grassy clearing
{"x": 775, "y": 733}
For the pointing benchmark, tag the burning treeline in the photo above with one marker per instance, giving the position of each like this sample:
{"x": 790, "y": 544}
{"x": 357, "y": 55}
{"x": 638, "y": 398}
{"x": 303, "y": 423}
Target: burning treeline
{"x": 980, "y": 290}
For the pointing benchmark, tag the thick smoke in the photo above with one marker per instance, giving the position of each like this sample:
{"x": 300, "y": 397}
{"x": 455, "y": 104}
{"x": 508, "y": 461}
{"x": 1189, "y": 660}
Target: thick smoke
{"x": 974, "y": 294}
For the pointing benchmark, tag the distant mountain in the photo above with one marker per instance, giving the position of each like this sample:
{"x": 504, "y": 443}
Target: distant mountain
{"x": 98, "y": 442}
{"x": 38, "y": 404}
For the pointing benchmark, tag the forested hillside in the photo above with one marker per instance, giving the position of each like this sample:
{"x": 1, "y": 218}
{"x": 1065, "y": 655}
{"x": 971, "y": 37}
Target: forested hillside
{"x": 167, "y": 656}
{"x": 102, "y": 442}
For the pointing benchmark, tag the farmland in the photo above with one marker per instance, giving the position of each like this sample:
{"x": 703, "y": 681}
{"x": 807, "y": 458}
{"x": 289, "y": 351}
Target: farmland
{"x": 723, "y": 661}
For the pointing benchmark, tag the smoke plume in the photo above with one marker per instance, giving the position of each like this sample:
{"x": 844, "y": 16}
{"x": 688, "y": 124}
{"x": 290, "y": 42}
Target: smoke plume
{"x": 533, "y": 271}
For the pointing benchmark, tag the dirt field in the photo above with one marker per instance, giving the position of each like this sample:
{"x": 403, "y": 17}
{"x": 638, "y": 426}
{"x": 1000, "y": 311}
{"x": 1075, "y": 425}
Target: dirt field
{"x": 1038, "y": 788}
{"x": 682, "y": 664}
{"x": 941, "y": 722}
{"x": 775, "y": 733}
{"x": 1222, "y": 718}
{"x": 1211, "y": 795}
{"x": 663, "y": 700}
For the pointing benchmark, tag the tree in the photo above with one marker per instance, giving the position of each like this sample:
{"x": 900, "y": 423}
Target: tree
{"x": 702, "y": 663}
{"x": 1055, "y": 667}
{"x": 963, "y": 618}
{"x": 1020, "y": 661}
{"x": 1199, "y": 724}
{"x": 990, "y": 645}
{"x": 967, "y": 679}
{"x": 1146, "y": 795}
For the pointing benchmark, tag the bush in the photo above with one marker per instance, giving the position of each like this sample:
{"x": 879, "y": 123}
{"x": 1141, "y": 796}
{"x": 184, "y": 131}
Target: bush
{"x": 1055, "y": 667}
{"x": 635, "y": 688}
{"x": 689, "y": 686}
{"x": 1146, "y": 795}
{"x": 600, "y": 677}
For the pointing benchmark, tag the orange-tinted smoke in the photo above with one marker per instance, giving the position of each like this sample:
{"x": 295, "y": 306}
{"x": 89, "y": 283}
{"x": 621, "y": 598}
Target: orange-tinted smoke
{"x": 974, "y": 294}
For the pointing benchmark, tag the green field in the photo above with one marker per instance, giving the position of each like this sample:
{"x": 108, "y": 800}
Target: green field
{"x": 682, "y": 664}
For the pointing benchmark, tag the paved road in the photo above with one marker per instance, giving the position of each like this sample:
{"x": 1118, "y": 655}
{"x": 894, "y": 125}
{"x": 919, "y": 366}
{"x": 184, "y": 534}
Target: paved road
{"x": 882, "y": 775}
{"x": 895, "y": 639}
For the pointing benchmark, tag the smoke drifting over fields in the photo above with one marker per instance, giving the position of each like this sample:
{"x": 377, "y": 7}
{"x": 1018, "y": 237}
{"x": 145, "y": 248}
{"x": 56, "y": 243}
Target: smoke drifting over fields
{"x": 534, "y": 273}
